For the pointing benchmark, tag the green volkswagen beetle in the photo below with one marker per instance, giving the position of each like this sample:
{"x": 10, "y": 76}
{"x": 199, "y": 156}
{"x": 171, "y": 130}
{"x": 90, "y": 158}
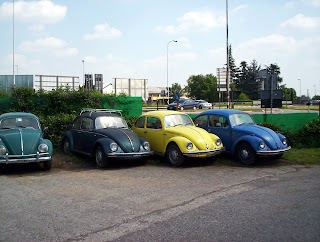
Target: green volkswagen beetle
{"x": 21, "y": 140}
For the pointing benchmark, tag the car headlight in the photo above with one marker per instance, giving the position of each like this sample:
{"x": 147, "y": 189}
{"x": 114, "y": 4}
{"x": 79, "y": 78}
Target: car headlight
{"x": 262, "y": 144}
{"x": 189, "y": 145}
{"x": 3, "y": 150}
{"x": 284, "y": 140}
{"x": 146, "y": 145}
{"x": 43, "y": 148}
{"x": 218, "y": 142}
{"x": 113, "y": 146}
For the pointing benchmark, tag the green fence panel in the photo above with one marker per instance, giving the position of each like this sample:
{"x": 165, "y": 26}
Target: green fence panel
{"x": 130, "y": 106}
{"x": 5, "y": 104}
{"x": 287, "y": 121}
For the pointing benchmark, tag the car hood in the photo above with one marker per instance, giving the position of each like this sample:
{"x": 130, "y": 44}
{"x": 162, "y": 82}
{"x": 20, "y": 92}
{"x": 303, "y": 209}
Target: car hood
{"x": 198, "y": 136}
{"x": 270, "y": 137}
{"x": 21, "y": 141}
{"x": 125, "y": 138}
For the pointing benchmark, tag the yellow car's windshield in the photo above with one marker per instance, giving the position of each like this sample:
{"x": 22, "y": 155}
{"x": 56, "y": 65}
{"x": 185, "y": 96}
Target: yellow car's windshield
{"x": 173, "y": 120}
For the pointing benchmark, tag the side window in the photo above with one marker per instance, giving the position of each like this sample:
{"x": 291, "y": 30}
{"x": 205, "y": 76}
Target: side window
{"x": 201, "y": 121}
{"x": 153, "y": 123}
{"x": 87, "y": 124}
{"x": 139, "y": 122}
{"x": 218, "y": 121}
{"x": 76, "y": 124}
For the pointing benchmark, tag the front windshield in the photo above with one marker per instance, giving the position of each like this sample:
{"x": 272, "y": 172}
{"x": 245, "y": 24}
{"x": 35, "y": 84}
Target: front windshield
{"x": 20, "y": 122}
{"x": 173, "y": 120}
{"x": 110, "y": 122}
{"x": 240, "y": 119}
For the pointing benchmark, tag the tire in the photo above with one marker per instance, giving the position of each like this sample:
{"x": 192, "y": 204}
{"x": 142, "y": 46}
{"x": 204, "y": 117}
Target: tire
{"x": 181, "y": 108}
{"x": 245, "y": 154}
{"x": 100, "y": 157}
{"x": 45, "y": 165}
{"x": 200, "y": 107}
{"x": 194, "y": 108}
{"x": 66, "y": 146}
{"x": 174, "y": 155}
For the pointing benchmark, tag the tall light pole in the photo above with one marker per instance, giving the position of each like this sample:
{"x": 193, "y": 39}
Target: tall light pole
{"x": 168, "y": 67}
{"x": 300, "y": 89}
{"x": 83, "y": 79}
{"x": 227, "y": 39}
{"x": 14, "y": 77}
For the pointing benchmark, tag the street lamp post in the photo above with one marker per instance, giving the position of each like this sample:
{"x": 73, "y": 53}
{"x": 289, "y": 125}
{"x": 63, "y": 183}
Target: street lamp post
{"x": 168, "y": 68}
{"x": 300, "y": 89}
{"x": 83, "y": 79}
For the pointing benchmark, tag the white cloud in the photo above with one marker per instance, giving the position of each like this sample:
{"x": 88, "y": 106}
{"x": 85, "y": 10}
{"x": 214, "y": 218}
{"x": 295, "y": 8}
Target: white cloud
{"x": 195, "y": 21}
{"x": 57, "y": 47}
{"x": 36, "y": 12}
{"x": 90, "y": 59}
{"x": 238, "y": 8}
{"x": 302, "y": 22}
{"x": 266, "y": 49}
{"x": 103, "y": 31}
{"x": 315, "y": 3}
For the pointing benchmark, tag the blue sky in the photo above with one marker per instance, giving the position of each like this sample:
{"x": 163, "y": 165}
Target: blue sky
{"x": 129, "y": 38}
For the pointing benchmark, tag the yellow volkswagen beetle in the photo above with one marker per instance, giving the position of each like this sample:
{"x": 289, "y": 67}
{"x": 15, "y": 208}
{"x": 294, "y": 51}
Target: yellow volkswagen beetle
{"x": 173, "y": 134}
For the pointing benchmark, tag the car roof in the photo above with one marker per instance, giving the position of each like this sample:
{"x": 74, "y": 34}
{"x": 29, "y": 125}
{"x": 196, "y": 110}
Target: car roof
{"x": 98, "y": 114}
{"x": 225, "y": 112}
{"x": 18, "y": 114}
{"x": 161, "y": 113}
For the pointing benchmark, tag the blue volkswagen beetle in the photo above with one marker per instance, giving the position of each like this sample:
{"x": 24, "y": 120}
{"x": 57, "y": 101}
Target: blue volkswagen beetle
{"x": 241, "y": 136}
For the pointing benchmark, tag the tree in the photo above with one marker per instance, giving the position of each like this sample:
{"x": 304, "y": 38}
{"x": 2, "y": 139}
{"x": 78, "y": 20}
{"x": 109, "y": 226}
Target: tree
{"x": 176, "y": 87}
{"x": 275, "y": 69}
{"x": 245, "y": 79}
{"x": 203, "y": 87}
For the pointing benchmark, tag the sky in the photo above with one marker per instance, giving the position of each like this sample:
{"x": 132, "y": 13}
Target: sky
{"x": 133, "y": 38}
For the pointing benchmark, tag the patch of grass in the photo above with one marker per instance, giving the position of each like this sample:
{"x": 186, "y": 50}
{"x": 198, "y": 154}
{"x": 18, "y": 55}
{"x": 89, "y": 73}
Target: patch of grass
{"x": 303, "y": 156}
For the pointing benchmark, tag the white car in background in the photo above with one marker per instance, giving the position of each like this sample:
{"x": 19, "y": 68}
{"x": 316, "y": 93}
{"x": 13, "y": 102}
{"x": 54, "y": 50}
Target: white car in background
{"x": 201, "y": 104}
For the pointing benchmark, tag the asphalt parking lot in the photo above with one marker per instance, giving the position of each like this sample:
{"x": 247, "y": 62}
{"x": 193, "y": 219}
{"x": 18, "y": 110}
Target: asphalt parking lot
{"x": 88, "y": 204}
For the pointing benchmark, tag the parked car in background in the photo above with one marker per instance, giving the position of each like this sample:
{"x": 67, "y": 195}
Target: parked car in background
{"x": 174, "y": 135}
{"x": 21, "y": 140}
{"x": 202, "y": 104}
{"x": 104, "y": 135}
{"x": 183, "y": 104}
{"x": 241, "y": 136}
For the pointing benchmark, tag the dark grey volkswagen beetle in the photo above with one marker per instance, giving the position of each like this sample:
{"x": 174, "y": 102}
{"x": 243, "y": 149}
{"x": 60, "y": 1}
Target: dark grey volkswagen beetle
{"x": 104, "y": 134}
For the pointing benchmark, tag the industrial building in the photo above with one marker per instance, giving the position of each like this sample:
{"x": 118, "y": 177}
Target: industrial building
{"x": 37, "y": 82}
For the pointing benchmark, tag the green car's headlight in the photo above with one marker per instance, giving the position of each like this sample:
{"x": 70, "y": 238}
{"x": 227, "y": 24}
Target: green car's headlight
{"x": 146, "y": 145}
{"x": 218, "y": 142}
{"x": 43, "y": 148}
{"x": 189, "y": 145}
{"x": 113, "y": 147}
{"x": 3, "y": 150}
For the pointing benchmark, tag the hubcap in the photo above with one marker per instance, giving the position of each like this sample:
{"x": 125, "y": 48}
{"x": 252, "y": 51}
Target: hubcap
{"x": 173, "y": 156}
{"x": 244, "y": 154}
{"x": 98, "y": 157}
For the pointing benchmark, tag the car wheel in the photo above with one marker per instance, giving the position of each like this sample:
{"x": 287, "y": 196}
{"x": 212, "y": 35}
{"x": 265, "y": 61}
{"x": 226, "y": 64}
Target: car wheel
{"x": 45, "y": 165}
{"x": 181, "y": 108}
{"x": 66, "y": 146}
{"x": 194, "y": 107}
{"x": 200, "y": 107}
{"x": 246, "y": 154}
{"x": 174, "y": 155}
{"x": 100, "y": 157}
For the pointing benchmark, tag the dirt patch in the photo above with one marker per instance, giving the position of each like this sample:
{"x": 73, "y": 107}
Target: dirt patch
{"x": 60, "y": 160}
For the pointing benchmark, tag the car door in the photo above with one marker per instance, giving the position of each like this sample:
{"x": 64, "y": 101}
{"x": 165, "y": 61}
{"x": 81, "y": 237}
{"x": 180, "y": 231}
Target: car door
{"x": 86, "y": 135}
{"x": 219, "y": 125}
{"x": 75, "y": 133}
{"x": 154, "y": 134}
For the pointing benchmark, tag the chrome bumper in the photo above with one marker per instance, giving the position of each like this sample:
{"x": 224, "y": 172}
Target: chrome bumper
{"x": 132, "y": 155}
{"x": 272, "y": 152}
{"x": 39, "y": 157}
{"x": 204, "y": 153}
